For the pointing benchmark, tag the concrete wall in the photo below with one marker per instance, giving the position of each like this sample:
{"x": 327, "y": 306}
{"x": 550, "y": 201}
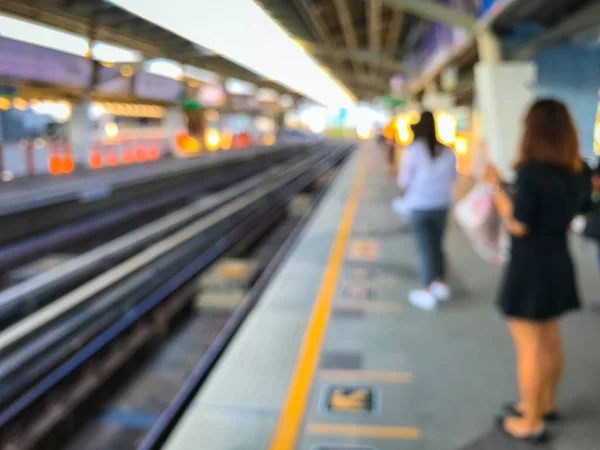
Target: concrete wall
{"x": 572, "y": 75}
{"x": 569, "y": 73}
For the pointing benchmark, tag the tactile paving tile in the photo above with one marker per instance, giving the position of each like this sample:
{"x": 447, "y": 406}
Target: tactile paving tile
{"x": 348, "y": 314}
{"x": 341, "y": 360}
{"x": 212, "y": 429}
{"x": 260, "y": 363}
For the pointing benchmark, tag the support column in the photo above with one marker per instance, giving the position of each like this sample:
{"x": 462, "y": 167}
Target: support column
{"x": 488, "y": 47}
{"x": 80, "y": 131}
{"x": 503, "y": 92}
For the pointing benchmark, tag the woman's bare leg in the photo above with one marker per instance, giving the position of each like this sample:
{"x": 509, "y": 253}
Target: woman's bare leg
{"x": 552, "y": 364}
{"x": 527, "y": 336}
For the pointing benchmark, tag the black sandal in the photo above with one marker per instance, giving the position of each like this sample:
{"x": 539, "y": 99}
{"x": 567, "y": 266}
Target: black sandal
{"x": 511, "y": 410}
{"x": 538, "y": 437}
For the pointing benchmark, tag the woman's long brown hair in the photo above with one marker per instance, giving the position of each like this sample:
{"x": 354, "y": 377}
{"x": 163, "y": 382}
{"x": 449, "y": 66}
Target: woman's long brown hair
{"x": 425, "y": 130}
{"x": 550, "y": 137}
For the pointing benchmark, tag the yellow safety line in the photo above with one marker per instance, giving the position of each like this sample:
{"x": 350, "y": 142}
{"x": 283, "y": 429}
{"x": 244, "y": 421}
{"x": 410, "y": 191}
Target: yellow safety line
{"x": 370, "y": 431}
{"x": 366, "y": 375}
{"x": 290, "y": 419}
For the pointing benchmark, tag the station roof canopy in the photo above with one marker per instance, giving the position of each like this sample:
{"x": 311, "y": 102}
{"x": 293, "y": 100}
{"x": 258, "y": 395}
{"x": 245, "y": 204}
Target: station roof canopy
{"x": 364, "y": 42}
{"x": 108, "y": 23}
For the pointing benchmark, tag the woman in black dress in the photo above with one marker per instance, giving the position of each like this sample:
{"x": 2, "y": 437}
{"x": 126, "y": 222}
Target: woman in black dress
{"x": 539, "y": 283}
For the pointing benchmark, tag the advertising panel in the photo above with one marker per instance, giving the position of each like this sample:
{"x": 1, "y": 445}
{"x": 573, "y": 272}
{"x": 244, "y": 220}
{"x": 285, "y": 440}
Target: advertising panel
{"x": 110, "y": 81}
{"x": 30, "y": 62}
{"x": 155, "y": 87}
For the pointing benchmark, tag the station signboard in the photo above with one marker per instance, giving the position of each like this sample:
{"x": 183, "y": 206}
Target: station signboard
{"x": 30, "y": 62}
{"x": 110, "y": 81}
{"x": 150, "y": 86}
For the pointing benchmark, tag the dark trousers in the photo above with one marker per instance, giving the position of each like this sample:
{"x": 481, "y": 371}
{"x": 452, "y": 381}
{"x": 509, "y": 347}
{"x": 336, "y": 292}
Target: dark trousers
{"x": 429, "y": 228}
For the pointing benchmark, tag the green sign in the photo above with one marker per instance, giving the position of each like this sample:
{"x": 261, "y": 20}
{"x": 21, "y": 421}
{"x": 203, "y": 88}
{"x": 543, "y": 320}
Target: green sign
{"x": 191, "y": 103}
{"x": 394, "y": 101}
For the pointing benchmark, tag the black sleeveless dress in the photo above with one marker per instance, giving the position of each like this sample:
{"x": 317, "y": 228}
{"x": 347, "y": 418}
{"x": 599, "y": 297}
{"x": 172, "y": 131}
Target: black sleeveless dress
{"x": 539, "y": 281}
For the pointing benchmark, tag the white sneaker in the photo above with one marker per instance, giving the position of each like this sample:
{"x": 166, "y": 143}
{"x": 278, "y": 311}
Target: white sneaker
{"x": 440, "y": 291}
{"x": 422, "y": 299}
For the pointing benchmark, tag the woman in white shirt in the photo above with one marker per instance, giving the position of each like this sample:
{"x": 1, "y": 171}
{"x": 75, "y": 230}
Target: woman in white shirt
{"x": 427, "y": 173}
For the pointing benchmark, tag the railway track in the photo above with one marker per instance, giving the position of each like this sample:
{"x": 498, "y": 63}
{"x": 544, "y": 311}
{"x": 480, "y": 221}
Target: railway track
{"x": 109, "y": 221}
{"x": 57, "y": 360}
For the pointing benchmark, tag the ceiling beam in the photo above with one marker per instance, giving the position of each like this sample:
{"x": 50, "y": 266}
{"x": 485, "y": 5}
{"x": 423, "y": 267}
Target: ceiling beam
{"x": 359, "y": 55}
{"x": 345, "y": 19}
{"x": 343, "y": 13}
{"x": 374, "y": 9}
{"x": 369, "y": 81}
{"x": 316, "y": 22}
{"x": 308, "y": 16}
{"x": 413, "y": 37}
{"x": 435, "y": 12}
{"x": 375, "y": 25}
{"x": 394, "y": 31}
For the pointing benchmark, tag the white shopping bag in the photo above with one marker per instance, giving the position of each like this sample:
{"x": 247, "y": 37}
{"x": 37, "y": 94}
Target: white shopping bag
{"x": 477, "y": 216}
{"x": 399, "y": 207}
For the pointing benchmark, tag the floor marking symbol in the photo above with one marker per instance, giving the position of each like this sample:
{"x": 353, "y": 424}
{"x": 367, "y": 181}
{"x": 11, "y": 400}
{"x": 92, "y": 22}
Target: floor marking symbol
{"x": 350, "y": 399}
{"x": 364, "y": 249}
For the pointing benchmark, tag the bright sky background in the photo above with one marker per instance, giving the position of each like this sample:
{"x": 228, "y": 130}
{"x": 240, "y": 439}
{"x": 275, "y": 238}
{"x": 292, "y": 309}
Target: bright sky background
{"x": 241, "y": 31}
{"x": 63, "y": 41}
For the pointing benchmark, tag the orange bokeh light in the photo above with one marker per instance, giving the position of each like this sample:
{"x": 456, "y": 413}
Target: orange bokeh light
{"x": 127, "y": 156}
{"x": 54, "y": 164}
{"x": 67, "y": 164}
{"x": 95, "y": 159}
{"x": 112, "y": 159}
{"x": 186, "y": 142}
{"x": 140, "y": 154}
{"x": 153, "y": 153}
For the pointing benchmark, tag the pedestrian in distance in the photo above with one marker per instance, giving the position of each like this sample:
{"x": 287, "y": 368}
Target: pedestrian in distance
{"x": 426, "y": 177}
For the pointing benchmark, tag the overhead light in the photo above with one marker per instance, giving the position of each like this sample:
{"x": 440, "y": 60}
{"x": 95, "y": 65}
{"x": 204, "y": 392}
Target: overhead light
{"x": 461, "y": 145}
{"x": 213, "y": 139}
{"x": 111, "y": 130}
{"x": 127, "y": 71}
{"x": 446, "y": 128}
{"x": 4, "y": 103}
{"x": 20, "y": 104}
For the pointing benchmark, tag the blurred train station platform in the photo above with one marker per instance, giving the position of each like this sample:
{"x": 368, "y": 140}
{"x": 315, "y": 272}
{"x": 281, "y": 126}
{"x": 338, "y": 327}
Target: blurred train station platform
{"x": 145, "y": 146}
{"x": 334, "y": 356}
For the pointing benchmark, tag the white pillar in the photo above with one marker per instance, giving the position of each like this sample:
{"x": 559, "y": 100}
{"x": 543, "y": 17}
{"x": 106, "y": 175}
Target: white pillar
{"x": 174, "y": 123}
{"x": 504, "y": 92}
{"x": 80, "y": 130}
{"x": 488, "y": 47}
